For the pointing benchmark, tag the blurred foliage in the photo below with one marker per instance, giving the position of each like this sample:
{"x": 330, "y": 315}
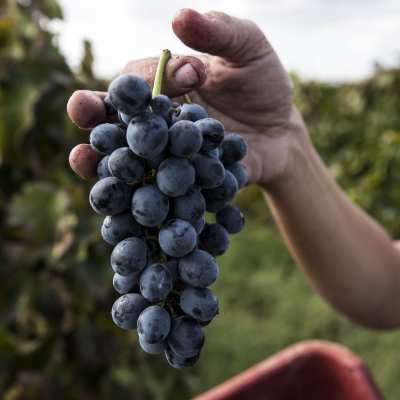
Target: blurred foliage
{"x": 56, "y": 334}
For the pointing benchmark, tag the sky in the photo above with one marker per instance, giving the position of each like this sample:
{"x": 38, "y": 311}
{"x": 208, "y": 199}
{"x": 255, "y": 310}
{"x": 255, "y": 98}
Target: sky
{"x": 318, "y": 39}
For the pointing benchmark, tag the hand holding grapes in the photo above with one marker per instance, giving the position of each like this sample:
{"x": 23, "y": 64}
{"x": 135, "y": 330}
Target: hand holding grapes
{"x": 239, "y": 80}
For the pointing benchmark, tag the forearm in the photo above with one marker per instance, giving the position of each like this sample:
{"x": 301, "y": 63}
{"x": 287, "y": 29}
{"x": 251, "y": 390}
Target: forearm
{"x": 346, "y": 255}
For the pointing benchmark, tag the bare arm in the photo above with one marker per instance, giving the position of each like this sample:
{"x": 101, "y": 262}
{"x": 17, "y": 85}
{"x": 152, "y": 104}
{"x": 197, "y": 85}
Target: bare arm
{"x": 346, "y": 255}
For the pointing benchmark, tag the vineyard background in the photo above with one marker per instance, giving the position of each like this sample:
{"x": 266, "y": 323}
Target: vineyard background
{"x": 56, "y": 335}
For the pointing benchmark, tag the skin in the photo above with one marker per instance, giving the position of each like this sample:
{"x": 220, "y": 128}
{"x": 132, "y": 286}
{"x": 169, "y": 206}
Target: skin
{"x": 347, "y": 257}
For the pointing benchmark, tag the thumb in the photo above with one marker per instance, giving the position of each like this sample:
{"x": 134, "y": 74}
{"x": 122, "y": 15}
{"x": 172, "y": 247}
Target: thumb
{"x": 237, "y": 40}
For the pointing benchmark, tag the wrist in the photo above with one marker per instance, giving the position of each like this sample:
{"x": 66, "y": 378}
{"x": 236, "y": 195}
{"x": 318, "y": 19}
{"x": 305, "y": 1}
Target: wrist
{"x": 298, "y": 155}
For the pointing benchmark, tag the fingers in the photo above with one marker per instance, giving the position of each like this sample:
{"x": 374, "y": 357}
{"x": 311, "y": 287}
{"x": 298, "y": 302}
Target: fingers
{"x": 216, "y": 33}
{"x": 86, "y": 108}
{"x": 83, "y": 161}
{"x": 183, "y": 73}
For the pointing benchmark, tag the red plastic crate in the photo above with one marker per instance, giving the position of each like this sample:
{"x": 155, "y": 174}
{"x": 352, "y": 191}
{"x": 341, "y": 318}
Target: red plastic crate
{"x": 312, "y": 370}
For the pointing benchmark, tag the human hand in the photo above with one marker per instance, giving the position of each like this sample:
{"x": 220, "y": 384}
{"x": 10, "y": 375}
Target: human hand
{"x": 238, "y": 79}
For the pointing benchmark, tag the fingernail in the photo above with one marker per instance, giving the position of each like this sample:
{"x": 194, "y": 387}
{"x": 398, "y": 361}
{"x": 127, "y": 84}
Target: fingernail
{"x": 186, "y": 76}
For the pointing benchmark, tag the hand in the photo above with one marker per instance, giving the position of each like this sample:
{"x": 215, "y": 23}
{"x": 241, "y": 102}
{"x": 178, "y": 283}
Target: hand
{"x": 239, "y": 79}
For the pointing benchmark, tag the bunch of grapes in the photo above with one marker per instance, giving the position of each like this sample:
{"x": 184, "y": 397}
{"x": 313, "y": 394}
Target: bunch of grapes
{"x": 164, "y": 165}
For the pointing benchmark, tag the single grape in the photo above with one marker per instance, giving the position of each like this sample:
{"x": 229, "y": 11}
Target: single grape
{"x": 186, "y": 337}
{"x": 102, "y": 168}
{"x": 149, "y": 206}
{"x": 234, "y": 148}
{"x": 199, "y": 303}
{"x": 125, "y": 284}
{"x": 152, "y": 348}
{"x": 105, "y": 138}
{"x": 110, "y": 109}
{"x": 175, "y": 176}
{"x": 198, "y": 269}
{"x": 184, "y": 139}
{"x": 161, "y": 105}
{"x": 129, "y": 94}
{"x": 155, "y": 283}
{"x": 154, "y": 324}
{"x": 199, "y": 224}
{"x": 212, "y": 131}
{"x": 147, "y": 135}
{"x": 214, "y": 239}
{"x": 179, "y": 362}
{"x": 126, "y": 165}
{"x": 119, "y": 227}
{"x": 231, "y": 219}
{"x": 190, "y": 112}
{"x": 126, "y": 310}
{"x": 218, "y": 197}
{"x": 177, "y": 238}
{"x": 239, "y": 171}
{"x": 110, "y": 196}
{"x": 124, "y": 118}
{"x": 190, "y": 206}
{"x": 210, "y": 172}
{"x": 129, "y": 256}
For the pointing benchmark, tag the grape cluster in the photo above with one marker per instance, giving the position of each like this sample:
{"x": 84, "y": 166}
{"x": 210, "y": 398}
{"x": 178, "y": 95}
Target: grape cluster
{"x": 164, "y": 166}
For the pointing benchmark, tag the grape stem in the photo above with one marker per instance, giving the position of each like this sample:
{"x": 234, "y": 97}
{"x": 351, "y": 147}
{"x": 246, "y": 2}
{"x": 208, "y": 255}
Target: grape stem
{"x": 187, "y": 98}
{"x": 158, "y": 80}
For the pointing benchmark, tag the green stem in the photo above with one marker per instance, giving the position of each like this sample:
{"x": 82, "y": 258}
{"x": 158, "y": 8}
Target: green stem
{"x": 187, "y": 98}
{"x": 158, "y": 80}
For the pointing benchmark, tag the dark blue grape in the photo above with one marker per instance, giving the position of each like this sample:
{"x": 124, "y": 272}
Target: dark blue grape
{"x": 186, "y": 337}
{"x": 179, "y": 362}
{"x": 161, "y": 105}
{"x": 210, "y": 172}
{"x": 152, "y": 348}
{"x": 149, "y": 206}
{"x": 147, "y": 135}
{"x": 214, "y": 239}
{"x": 154, "y": 324}
{"x": 175, "y": 176}
{"x": 218, "y": 197}
{"x": 190, "y": 206}
{"x": 184, "y": 139}
{"x": 125, "y": 284}
{"x": 110, "y": 109}
{"x": 126, "y": 165}
{"x": 199, "y": 224}
{"x": 110, "y": 196}
{"x": 129, "y": 94}
{"x": 234, "y": 148}
{"x": 105, "y": 138}
{"x": 155, "y": 283}
{"x": 126, "y": 310}
{"x": 231, "y": 219}
{"x": 212, "y": 131}
{"x": 190, "y": 112}
{"x": 124, "y": 118}
{"x": 102, "y": 168}
{"x": 129, "y": 256}
{"x": 119, "y": 227}
{"x": 172, "y": 266}
{"x": 199, "y": 303}
{"x": 239, "y": 171}
{"x": 177, "y": 238}
{"x": 198, "y": 269}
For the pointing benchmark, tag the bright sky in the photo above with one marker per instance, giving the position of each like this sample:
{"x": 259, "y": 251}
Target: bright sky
{"x": 322, "y": 39}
